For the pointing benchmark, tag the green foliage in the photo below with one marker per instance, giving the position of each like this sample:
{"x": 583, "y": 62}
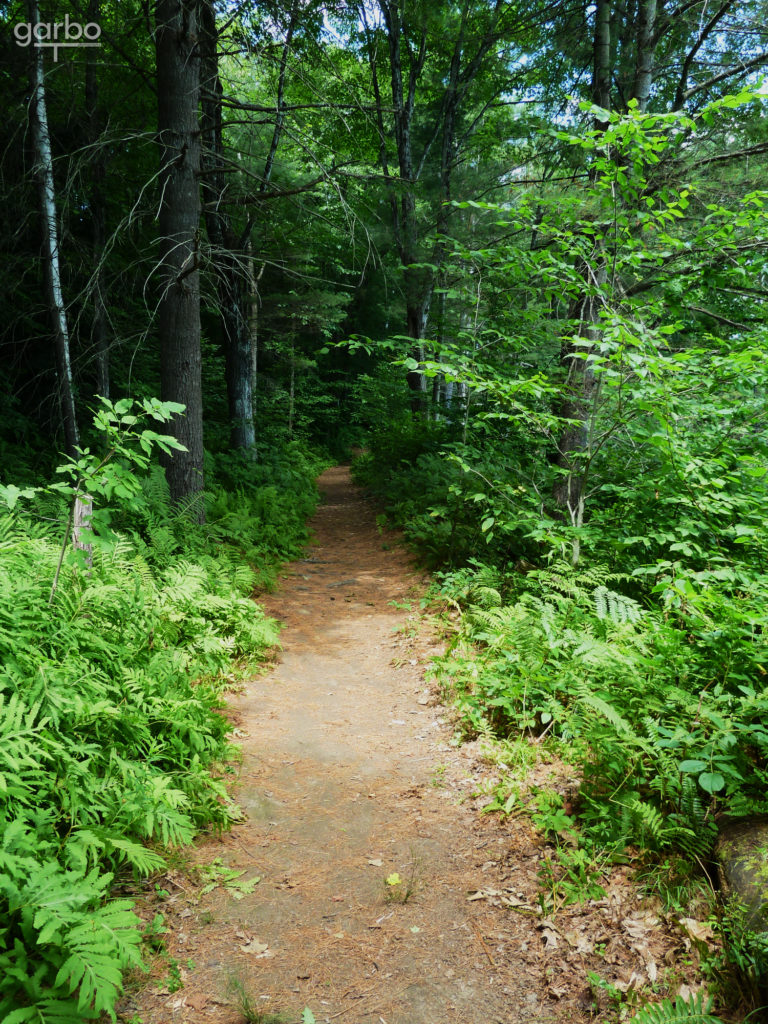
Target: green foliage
{"x": 111, "y": 731}
{"x": 657, "y": 753}
{"x": 741, "y": 967}
{"x": 678, "y": 1011}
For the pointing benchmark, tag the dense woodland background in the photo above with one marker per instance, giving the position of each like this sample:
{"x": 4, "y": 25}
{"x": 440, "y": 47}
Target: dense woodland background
{"x": 515, "y": 252}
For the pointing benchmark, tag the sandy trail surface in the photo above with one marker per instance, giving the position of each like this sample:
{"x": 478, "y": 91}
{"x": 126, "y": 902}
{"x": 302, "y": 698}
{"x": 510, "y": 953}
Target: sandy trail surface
{"x": 348, "y": 776}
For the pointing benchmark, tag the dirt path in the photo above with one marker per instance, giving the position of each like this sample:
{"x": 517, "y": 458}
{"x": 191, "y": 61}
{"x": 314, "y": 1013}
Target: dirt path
{"x": 348, "y": 776}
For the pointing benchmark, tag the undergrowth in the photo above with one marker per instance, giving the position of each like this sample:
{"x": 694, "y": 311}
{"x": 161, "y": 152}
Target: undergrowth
{"x": 112, "y": 738}
{"x": 644, "y": 674}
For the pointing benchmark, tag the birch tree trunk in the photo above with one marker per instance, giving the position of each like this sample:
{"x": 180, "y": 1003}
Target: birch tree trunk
{"x": 43, "y": 168}
{"x": 178, "y": 87}
{"x": 646, "y": 28}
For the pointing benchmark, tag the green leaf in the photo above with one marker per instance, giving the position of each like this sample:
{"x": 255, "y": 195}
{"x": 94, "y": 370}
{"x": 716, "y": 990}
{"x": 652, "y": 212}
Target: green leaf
{"x": 711, "y": 782}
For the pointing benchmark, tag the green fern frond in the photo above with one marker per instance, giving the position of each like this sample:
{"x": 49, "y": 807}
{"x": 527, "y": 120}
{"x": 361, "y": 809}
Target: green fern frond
{"x": 681, "y": 1011}
{"x": 617, "y": 607}
{"x": 609, "y": 713}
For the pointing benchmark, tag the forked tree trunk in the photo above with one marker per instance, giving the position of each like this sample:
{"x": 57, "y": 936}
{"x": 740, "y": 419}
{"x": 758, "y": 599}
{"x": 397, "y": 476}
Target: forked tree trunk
{"x": 178, "y": 87}
{"x": 41, "y": 141}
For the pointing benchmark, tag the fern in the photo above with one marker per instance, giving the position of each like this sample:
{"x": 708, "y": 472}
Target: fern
{"x": 609, "y": 713}
{"x": 100, "y": 948}
{"x": 617, "y": 607}
{"x": 108, "y": 737}
{"x": 681, "y": 1011}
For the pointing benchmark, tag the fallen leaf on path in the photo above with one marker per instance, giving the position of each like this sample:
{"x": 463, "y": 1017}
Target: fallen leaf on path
{"x": 376, "y": 863}
{"x": 255, "y": 947}
{"x": 579, "y": 941}
{"x": 640, "y": 927}
{"x": 699, "y": 931}
{"x": 483, "y": 894}
{"x": 636, "y": 982}
{"x": 549, "y": 934}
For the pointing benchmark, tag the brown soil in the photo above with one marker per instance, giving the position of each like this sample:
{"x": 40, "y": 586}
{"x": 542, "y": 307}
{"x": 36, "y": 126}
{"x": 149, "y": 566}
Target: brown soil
{"x": 348, "y": 775}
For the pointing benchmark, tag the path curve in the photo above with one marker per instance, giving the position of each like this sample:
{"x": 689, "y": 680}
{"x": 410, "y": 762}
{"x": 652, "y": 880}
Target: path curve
{"x": 348, "y": 776}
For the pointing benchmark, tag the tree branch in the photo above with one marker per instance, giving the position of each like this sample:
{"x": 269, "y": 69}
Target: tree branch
{"x": 735, "y": 69}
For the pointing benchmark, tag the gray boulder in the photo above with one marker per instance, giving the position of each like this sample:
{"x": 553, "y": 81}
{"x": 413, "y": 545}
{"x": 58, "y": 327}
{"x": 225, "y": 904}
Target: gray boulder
{"x": 742, "y": 859}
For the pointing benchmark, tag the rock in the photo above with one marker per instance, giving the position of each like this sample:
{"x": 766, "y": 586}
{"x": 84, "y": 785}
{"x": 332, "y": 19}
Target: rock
{"x": 742, "y": 860}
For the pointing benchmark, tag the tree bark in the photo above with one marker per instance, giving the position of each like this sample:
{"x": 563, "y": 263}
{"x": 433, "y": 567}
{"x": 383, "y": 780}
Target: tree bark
{"x": 229, "y": 258}
{"x": 99, "y": 338}
{"x": 601, "y": 76}
{"x": 579, "y": 390}
{"x": 577, "y": 405}
{"x": 43, "y": 168}
{"x": 178, "y": 82}
{"x": 231, "y": 245}
{"x": 418, "y": 283}
{"x": 646, "y": 45}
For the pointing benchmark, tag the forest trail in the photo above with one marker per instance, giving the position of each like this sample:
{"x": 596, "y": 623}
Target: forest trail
{"x": 348, "y": 776}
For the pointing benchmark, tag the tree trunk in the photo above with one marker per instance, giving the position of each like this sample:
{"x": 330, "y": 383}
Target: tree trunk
{"x": 253, "y": 325}
{"x": 416, "y": 320}
{"x": 178, "y": 87}
{"x": 646, "y": 29}
{"x": 579, "y": 389}
{"x": 99, "y": 339}
{"x": 44, "y": 173}
{"x": 577, "y": 405}
{"x": 228, "y": 256}
{"x": 601, "y": 75}
{"x": 418, "y": 281}
{"x": 292, "y": 393}
{"x": 239, "y": 367}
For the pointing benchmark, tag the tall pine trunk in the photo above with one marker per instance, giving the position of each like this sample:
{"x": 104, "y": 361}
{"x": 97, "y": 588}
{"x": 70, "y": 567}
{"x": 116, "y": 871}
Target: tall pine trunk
{"x": 178, "y": 88}
{"x": 99, "y": 335}
{"x": 41, "y": 141}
